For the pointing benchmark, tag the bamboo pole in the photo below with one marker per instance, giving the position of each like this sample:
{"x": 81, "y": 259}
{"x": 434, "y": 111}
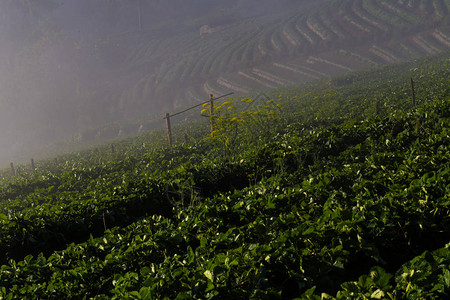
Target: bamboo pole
{"x": 13, "y": 171}
{"x": 169, "y": 130}
{"x": 211, "y": 113}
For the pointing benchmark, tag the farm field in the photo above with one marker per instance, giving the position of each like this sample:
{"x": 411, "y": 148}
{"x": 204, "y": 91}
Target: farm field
{"x": 370, "y": 32}
{"x": 332, "y": 189}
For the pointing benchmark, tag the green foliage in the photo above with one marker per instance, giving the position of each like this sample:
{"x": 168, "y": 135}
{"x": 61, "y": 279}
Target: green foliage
{"x": 242, "y": 121}
{"x": 339, "y": 204}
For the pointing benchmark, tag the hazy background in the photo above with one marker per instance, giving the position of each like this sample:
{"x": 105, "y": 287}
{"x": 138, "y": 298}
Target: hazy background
{"x": 68, "y": 67}
{"x": 60, "y": 65}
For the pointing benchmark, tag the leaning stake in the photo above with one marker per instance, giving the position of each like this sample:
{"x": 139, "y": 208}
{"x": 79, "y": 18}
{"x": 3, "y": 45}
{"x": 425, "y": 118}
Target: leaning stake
{"x": 169, "y": 130}
{"x": 211, "y": 113}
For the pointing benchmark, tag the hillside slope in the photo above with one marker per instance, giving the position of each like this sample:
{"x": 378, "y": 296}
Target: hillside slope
{"x": 344, "y": 194}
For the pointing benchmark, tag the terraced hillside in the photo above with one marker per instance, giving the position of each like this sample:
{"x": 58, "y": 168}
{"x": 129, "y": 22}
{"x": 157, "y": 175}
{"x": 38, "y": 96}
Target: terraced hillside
{"x": 74, "y": 78}
{"x": 334, "y": 37}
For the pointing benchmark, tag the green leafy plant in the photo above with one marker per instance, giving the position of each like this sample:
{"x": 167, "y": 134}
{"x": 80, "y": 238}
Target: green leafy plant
{"x": 242, "y": 121}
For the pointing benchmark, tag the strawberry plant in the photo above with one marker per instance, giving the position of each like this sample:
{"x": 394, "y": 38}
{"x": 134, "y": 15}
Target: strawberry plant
{"x": 339, "y": 204}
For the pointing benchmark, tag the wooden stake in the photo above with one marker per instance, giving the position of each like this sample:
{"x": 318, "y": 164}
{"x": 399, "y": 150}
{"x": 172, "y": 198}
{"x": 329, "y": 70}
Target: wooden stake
{"x": 211, "y": 113}
{"x": 13, "y": 170}
{"x": 112, "y": 149}
{"x": 32, "y": 165}
{"x": 413, "y": 94}
{"x": 104, "y": 221}
{"x": 169, "y": 129}
{"x": 186, "y": 138}
{"x": 56, "y": 161}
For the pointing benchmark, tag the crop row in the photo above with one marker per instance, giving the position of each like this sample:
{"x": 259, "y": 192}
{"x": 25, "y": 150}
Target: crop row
{"x": 257, "y": 80}
{"x": 359, "y": 57}
{"x": 424, "y": 44}
{"x": 358, "y": 9}
{"x": 302, "y": 27}
{"x": 440, "y": 8}
{"x": 211, "y": 87}
{"x": 402, "y": 11}
{"x": 291, "y": 36}
{"x": 356, "y": 22}
{"x": 329, "y": 19}
{"x": 384, "y": 54}
{"x": 313, "y": 59}
{"x": 442, "y": 38}
{"x": 340, "y": 57}
{"x": 271, "y": 77}
{"x": 296, "y": 69}
{"x": 229, "y": 84}
{"x": 288, "y": 74}
{"x": 382, "y": 13}
{"x": 410, "y": 47}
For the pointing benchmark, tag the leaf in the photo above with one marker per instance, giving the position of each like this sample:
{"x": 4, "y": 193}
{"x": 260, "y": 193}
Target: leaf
{"x": 145, "y": 293}
{"x": 203, "y": 242}
{"x": 378, "y": 294}
{"x": 380, "y": 277}
{"x": 365, "y": 282}
{"x": 191, "y": 254}
{"x": 308, "y": 231}
{"x": 338, "y": 264}
{"x": 208, "y": 275}
{"x": 135, "y": 294}
{"x": 351, "y": 286}
{"x": 446, "y": 277}
{"x": 146, "y": 271}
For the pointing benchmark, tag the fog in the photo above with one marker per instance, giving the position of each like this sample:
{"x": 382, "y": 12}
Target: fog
{"x": 59, "y": 72}
{"x": 70, "y": 66}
